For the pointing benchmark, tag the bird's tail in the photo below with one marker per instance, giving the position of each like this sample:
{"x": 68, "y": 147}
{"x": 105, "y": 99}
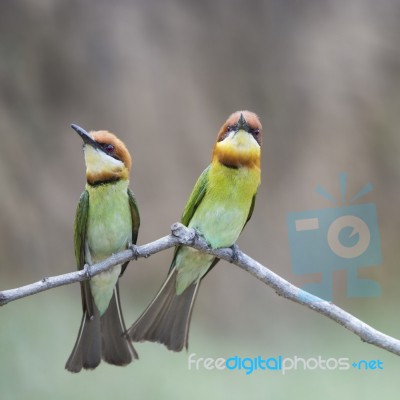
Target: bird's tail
{"x": 102, "y": 337}
{"x": 166, "y": 320}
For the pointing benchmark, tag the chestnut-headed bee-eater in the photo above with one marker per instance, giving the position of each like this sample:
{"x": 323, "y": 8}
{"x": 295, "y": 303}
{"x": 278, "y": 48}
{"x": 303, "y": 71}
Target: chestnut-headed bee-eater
{"x": 107, "y": 221}
{"x": 219, "y": 207}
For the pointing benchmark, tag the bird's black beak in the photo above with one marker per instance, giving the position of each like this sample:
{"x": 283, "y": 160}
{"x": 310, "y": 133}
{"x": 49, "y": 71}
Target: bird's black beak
{"x": 87, "y": 139}
{"x": 242, "y": 124}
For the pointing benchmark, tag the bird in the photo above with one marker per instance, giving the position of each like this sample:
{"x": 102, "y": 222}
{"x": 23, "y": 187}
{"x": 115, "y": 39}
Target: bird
{"x": 107, "y": 221}
{"x": 220, "y": 205}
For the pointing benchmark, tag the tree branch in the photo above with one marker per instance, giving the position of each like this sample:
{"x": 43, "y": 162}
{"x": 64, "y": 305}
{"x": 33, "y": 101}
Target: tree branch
{"x": 180, "y": 235}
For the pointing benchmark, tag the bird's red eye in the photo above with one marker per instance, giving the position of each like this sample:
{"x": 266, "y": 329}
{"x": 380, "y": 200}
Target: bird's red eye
{"x": 109, "y": 148}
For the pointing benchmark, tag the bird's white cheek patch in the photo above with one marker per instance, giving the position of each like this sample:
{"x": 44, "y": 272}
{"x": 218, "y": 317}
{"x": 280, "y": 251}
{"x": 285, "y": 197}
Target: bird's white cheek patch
{"x": 98, "y": 162}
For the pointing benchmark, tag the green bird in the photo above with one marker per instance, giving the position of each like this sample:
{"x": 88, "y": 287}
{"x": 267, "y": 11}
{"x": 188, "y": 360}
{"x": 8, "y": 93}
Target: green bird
{"x": 219, "y": 207}
{"x": 107, "y": 221}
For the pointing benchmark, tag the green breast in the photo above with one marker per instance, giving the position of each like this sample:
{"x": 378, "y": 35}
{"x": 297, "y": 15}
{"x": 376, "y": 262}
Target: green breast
{"x": 109, "y": 222}
{"x": 225, "y": 208}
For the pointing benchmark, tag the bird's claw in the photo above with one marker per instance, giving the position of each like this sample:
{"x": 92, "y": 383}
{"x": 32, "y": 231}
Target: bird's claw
{"x": 135, "y": 252}
{"x": 198, "y": 235}
{"x": 86, "y": 269}
{"x": 235, "y": 253}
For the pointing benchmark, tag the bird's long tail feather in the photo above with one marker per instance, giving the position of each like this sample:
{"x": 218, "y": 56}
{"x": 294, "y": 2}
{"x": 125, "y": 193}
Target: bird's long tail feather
{"x": 102, "y": 337}
{"x": 167, "y": 319}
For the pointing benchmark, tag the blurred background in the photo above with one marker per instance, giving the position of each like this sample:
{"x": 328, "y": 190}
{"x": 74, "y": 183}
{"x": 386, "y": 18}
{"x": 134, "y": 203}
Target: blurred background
{"x": 324, "y": 77}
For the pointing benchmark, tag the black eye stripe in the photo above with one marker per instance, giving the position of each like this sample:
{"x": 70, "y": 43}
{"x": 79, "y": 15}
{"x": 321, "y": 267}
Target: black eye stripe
{"x": 107, "y": 147}
{"x": 228, "y": 130}
{"x": 255, "y": 132}
{"x": 256, "y": 135}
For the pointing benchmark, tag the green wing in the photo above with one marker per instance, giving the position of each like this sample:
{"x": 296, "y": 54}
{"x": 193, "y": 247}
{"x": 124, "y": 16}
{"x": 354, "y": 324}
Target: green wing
{"x": 196, "y": 197}
{"x": 253, "y": 202}
{"x": 81, "y": 217}
{"x": 194, "y": 201}
{"x": 135, "y": 216}
{"x": 135, "y": 223}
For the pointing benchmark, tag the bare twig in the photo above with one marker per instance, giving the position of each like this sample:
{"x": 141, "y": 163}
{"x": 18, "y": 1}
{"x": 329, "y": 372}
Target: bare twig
{"x": 180, "y": 235}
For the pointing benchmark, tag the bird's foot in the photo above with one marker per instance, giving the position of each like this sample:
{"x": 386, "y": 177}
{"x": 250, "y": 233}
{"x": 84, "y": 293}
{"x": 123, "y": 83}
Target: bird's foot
{"x": 235, "y": 253}
{"x": 135, "y": 252}
{"x": 86, "y": 269}
{"x": 199, "y": 236}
